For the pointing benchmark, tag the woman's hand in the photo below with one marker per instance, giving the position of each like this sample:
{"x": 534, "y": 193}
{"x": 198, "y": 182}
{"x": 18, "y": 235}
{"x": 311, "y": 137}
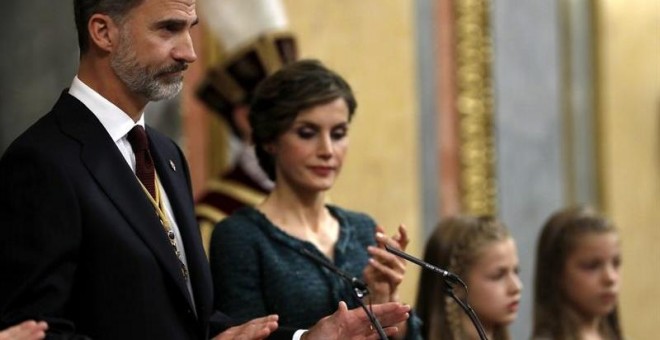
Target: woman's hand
{"x": 385, "y": 271}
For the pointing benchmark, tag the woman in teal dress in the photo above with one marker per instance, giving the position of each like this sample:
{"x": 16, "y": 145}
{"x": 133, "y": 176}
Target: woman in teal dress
{"x": 300, "y": 118}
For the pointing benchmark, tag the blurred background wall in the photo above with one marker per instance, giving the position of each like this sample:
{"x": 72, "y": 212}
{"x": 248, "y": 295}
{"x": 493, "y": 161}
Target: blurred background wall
{"x": 628, "y": 57}
{"x": 568, "y": 98}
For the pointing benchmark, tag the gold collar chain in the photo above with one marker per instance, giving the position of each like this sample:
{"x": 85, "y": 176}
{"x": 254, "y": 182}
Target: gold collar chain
{"x": 165, "y": 222}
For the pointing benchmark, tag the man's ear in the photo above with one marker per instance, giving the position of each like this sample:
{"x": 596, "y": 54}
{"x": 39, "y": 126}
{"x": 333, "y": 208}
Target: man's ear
{"x": 103, "y": 32}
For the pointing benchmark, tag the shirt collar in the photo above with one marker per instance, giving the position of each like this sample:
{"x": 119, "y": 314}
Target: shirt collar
{"x": 113, "y": 119}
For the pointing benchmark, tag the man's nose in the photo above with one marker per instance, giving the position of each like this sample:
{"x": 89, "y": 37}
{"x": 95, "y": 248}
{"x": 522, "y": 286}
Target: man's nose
{"x": 185, "y": 50}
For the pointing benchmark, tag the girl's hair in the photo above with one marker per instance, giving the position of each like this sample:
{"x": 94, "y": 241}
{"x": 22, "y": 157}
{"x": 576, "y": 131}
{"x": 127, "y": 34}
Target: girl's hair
{"x": 456, "y": 245}
{"x": 281, "y": 97}
{"x": 553, "y": 317}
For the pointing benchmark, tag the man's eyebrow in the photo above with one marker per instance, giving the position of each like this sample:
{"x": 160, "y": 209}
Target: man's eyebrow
{"x": 176, "y": 22}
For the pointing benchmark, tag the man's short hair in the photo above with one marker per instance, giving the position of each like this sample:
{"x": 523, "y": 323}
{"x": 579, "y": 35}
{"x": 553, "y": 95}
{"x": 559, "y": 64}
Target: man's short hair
{"x": 84, "y": 9}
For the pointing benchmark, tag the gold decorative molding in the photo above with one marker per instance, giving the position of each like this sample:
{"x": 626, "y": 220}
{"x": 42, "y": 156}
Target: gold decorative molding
{"x": 474, "y": 103}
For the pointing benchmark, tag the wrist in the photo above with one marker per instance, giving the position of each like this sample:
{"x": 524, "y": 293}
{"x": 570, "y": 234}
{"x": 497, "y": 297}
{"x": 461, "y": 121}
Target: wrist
{"x": 300, "y": 334}
{"x": 394, "y": 297}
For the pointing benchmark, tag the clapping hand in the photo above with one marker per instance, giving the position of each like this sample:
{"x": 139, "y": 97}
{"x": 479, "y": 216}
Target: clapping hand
{"x": 386, "y": 271}
{"x": 26, "y": 330}
{"x": 255, "y": 329}
{"x": 354, "y": 324}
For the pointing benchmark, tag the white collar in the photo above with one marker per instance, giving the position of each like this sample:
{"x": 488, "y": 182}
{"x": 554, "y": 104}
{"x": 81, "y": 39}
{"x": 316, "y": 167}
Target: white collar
{"x": 114, "y": 120}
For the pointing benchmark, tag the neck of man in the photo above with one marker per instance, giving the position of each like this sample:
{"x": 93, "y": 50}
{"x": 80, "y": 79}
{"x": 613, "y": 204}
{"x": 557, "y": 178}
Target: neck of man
{"x": 98, "y": 75}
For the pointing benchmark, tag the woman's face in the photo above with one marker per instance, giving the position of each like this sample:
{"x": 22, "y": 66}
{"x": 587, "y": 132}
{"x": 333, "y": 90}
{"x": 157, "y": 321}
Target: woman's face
{"x": 310, "y": 154}
{"x": 494, "y": 285}
{"x": 591, "y": 274}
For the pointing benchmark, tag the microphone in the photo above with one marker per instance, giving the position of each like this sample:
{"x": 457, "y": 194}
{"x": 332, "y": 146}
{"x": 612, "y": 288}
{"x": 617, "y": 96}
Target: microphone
{"x": 359, "y": 288}
{"x": 448, "y": 276}
{"x": 449, "y": 280}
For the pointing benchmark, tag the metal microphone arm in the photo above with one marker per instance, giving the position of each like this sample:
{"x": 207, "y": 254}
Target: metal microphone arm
{"x": 359, "y": 288}
{"x": 449, "y": 279}
{"x": 448, "y": 276}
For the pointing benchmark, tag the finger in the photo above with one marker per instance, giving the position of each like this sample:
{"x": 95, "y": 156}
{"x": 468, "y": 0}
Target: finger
{"x": 254, "y": 329}
{"x": 391, "y": 313}
{"x": 261, "y": 333}
{"x": 265, "y": 325}
{"x": 402, "y": 237}
{"x": 391, "y": 331}
{"x": 388, "y": 259}
{"x": 42, "y": 326}
{"x": 383, "y": 239}
{"x": 268, "y": 318}
{"x": 342, "y": 308}
{"x": 392, "y": 276}
{"x": 388, "y": 269}
{"x": 27, "y": 329}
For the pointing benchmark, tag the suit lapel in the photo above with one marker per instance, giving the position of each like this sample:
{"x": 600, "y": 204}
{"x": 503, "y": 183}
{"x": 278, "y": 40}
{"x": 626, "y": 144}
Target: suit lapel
{"x": 173, "y": 173}
{"x": 108, "y": 167}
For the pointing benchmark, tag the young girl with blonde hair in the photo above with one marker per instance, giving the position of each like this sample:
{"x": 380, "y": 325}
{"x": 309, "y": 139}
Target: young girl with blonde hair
{"x": 481, "y": 251}
{"x": 577, "y": 277}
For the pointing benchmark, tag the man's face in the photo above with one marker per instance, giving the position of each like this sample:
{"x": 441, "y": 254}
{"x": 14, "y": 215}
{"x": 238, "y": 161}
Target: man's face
{"x": 155, "y": 47}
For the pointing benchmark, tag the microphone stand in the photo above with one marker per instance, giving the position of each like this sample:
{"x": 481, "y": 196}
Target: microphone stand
{"x": 449, "y": 280}
{"x": 359, "y": 289}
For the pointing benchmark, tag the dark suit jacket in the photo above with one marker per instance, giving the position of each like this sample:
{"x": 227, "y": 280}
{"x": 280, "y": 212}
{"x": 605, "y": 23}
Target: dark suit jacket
{"x": 80, "y": 244}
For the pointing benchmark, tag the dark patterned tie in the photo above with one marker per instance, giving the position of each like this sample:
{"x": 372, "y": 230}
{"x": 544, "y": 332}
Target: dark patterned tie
{"x": 144, "y": 164}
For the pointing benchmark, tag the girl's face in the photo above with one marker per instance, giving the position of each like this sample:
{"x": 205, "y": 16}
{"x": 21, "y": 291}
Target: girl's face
{"x": 309, "y": 155}
{"x": 591, "y": 274}
{"x": 494, "y": 285}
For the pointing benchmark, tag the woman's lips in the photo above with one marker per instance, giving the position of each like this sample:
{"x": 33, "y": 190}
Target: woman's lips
{"x": 322, "y": 170}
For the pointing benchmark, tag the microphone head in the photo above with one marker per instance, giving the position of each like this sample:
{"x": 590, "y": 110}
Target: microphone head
{"x": 358, "y": 284}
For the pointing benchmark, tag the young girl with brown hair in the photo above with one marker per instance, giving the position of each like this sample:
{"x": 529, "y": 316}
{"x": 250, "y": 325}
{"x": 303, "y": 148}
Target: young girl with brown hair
{"x": 481, "y": 252}
{"x": 577, "y": 277}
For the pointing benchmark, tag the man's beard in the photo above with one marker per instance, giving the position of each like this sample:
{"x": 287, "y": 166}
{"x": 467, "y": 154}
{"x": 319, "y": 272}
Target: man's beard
{"x": 151, "y": 82}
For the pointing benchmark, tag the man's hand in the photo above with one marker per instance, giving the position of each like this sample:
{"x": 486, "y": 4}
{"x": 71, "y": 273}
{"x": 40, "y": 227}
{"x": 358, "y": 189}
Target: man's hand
{"x": 255, "y": 329}
{"x": 355, "y": 325}
{"x": 26, "y": 330}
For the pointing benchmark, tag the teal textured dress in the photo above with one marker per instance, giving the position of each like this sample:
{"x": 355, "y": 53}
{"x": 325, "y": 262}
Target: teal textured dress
{"x": 259, "y": 270}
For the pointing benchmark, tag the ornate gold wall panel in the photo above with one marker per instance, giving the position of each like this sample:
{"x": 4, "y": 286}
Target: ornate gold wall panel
{"x": 475, "y": 107}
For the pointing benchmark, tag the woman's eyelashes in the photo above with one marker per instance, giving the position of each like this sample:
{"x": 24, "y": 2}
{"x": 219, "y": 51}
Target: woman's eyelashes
{"x": 310, "y": 132}
{"x": 306, "y": 132}
{"x": 339, "y": 133}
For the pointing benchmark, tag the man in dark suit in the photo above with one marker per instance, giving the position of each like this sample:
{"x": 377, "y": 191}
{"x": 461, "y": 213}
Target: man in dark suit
{"x": 91, "y": 244}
